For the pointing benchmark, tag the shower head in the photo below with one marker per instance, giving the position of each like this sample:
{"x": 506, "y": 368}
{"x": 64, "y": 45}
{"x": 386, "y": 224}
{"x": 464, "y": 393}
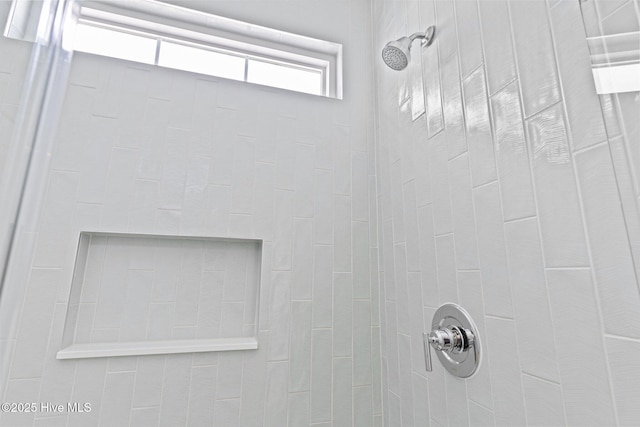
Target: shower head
{"x": 397, "y": 54}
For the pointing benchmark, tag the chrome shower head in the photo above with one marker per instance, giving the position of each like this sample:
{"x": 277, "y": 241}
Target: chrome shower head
{"x": 396, "y": 54}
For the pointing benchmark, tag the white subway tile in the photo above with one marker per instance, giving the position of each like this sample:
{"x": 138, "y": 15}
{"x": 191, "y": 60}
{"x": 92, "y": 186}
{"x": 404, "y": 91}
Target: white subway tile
{"x": 254, "y": 379}
{"x": 361, "y": 343}
{"x": 496, "y": 34}
{"x": 341, "y": 151}
{"x": 360, "y": 186}
{"x": 454, "y": 120}
{"x": 464, "y": 227}
{"x": 52, "y": 249}
{"x": 341, "y": 393}
{"x": 342, "y": 234}
{"x": 530, "y": 299}
{"x": 115, "y": 405}
{"x": 625, "y": 379}
{"x": 322, "y": 286}
{"x": 505, "y": 372}
{"x": 35, "y": 324}
{"x": 263, "y": 200}
{"x": 283, "y": 230}
{"x": 430, "y": 294}
{"x": 232, "y": 319}
{"x": 147, "y": 390}
{"x": 416, "y": 321}
{"x": 279, "y": 315}
{"x": 622, "y": 20}
{"x": 323, "y": 213}
{"x": 298, "y": 409}
{"x": 362, "y": 409}
{"x": 174, "y": 172}
{"x": 492, "y": 251}
{"x": 478, "y": 126}
{"x": 430, "y": 73}
{"x": 304, "y": 180}
{"x": 397, "y": 201}
{"x": 119, "y": 191}
{"x": 442, "y": 216}
{"x": 411, "y": 223}
{"x": 391, "y": 348}
{"x": 183, "y": 89}
{"x": 243, "y": 175}
{"x": 89, "y": 387}
{"x": 471, "y": 290}
{"x": 543, "y": 401}
{"x": 227, "y": 412}
{"x": 583, "y": 106}
{"x": 302, "y": 258}
{"x": 229, "y": 377}
{"x": 557, "y": 196}
{"x": 446, "y": 29}
{"x": 343, "y": 313}
{"x": 511, "y": 154}
{"x": 445, "y": 253}
{"x": 455, "y": 387}
{"x": 218, "y": 208}
{"x": 361, "y": 266}
{"x": 146, "y": 417}
{"x": 574, "y": 308}
{"x": 414, "y": 69}
{"x": 201, "y": 395}
{"x": 406, "y": 380}
{"x": 175, "y": 390}
{"x": 402, "y": 290}
{"x": 420, "y": 398}
{"x": 535, "y": 55}
{"x": 469, "y": 40}
{"x": 300, "y": 353}
{"x": 480, "y": 416}
{"x": 321, "y": 375}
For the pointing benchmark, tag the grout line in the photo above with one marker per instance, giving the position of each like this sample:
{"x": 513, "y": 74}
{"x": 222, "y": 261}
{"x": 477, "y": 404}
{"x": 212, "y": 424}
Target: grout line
{"x": 525, "y": 218}
{"x": 585, "y": 268}
{"x": 481, "y": 405}
{"x": 590, "y": 147}
{"x": 493, "y": 181}
{"x": 496, "y": 317}
{"x": 504, "y": 86}
{"x": 620, "y": 337}
{"x": 537, "y": 377}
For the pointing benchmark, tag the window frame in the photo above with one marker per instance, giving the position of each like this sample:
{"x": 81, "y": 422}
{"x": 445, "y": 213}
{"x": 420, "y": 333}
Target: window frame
{"x": 174, "y": 24}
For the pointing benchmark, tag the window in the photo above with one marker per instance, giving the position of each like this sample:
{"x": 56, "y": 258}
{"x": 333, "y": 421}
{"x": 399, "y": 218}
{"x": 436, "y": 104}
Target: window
{"x": 223, "y": 48}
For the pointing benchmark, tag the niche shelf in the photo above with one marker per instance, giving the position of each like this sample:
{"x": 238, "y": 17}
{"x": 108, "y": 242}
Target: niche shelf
{"x": 134, "y": 294}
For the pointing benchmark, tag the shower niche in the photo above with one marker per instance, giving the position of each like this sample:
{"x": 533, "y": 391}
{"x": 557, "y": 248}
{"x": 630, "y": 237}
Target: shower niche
{"x": 135, "y": 294}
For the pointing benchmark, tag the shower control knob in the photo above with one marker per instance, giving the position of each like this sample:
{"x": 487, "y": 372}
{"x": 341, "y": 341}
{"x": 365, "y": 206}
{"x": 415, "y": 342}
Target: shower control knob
{"x": 457, "y": 346}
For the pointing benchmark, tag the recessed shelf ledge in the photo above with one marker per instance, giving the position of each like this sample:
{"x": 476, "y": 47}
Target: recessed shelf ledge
{"x": 85, "y": 351}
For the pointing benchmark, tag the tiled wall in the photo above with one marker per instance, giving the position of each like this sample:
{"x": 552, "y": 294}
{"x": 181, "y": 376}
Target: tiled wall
{"x": 157, "y": 151}
{"x": 497, "y": 191}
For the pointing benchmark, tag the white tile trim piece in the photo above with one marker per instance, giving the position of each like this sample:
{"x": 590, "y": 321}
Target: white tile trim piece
{"x": 140, "y": 348}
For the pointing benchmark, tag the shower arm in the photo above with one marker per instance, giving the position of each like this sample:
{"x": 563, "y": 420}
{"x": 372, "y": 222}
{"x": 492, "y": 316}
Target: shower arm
{"x": 426, "y": 37}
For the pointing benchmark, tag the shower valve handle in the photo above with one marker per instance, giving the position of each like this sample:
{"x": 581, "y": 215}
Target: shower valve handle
{"x": 452, "y": 339}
